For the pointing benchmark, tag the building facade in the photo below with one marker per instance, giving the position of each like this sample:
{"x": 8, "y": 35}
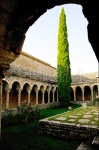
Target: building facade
{"x": 35, "y": 81}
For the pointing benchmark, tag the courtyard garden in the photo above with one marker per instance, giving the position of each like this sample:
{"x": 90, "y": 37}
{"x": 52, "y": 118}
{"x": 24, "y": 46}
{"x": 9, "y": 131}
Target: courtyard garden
{"x": 88, "y": 116}
{"x": 23, "y": 136}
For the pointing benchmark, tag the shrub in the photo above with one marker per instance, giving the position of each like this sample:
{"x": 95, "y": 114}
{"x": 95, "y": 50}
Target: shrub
{"x": 25, "y": 113}
{"x": 95, "y": 102}
{"x": 8, "y": 119}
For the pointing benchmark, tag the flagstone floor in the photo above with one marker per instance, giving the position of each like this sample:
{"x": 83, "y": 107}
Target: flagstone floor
{"x": 88, "y": 116}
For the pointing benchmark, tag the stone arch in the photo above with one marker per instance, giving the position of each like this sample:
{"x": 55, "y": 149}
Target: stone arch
{"x": 5, "y": 84}
{"x": 95, "y": 91}
{"x": 13, "y": 95}
{"x": 24, "y": 92}
{"x": 41, "y": 95}
{"x": 87, "y": 93}
{"x": 42, "y": 87}
{"x": 46, "y": 94}
{"x": 33, "y": 94}
{"x": 78, "y": 93}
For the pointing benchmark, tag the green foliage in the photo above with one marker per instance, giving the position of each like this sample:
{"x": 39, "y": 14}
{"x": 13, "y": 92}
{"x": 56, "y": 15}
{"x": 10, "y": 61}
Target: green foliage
{"x": 27, "y": 137}
{"x": 95, "y": 102}
{"x": 24, "y": 114}
{"x": 63, "y": 62}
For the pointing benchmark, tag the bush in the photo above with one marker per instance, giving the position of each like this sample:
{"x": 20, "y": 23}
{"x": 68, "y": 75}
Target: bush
{"x": 9, "y": 118}
{"x": 95, "y": 102}
{"x": 25, "y": 113}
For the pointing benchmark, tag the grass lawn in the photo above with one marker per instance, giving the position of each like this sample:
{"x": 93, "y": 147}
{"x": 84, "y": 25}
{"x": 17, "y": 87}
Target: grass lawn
{"x": 78, "y": 116}
{"x": 26, "y": 136}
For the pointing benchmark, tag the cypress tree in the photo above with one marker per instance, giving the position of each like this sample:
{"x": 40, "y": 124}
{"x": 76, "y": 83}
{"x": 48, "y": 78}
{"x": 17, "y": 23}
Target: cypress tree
{"x": 63, "y": 62}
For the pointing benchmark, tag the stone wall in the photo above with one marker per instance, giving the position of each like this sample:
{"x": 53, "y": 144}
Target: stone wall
{"x": 31, "y": 63}
{"x": 67, "y": 131}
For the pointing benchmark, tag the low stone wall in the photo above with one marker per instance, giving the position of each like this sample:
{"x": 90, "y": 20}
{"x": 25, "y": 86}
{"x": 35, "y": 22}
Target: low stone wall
{"x": 68, "y": 131}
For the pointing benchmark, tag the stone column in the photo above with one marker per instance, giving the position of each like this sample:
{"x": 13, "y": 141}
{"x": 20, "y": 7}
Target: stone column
{"x": 53, "y": 97}
{"x": 28, "y": 97}
{"x": 48, "y": 97}
{"x": 43, "y": 96}
{"x": 28, "y": 91}
{"x": 36, "y": 97}
{"x": 36, "y": 90}
{"x": 83, "y": 94}
{"x": 74, "y": 95}
{"x": 19, "y": 97}
{"x": 92, "y": 94}
{"x": 7, "y": 98}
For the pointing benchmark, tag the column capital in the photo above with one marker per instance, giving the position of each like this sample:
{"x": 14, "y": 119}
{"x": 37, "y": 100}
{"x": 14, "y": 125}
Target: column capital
{"x": 7, "y": 90}
{"x": 19, "y": 89}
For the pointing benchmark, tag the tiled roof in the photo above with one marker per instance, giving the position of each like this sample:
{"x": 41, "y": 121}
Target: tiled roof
{"x": 87, "y": 77}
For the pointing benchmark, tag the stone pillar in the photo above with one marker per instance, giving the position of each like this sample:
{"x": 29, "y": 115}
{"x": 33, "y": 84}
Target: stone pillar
{"x": 92, "y": 94}
{"x": 28, "y": 97}
{"x": 53, "y": 97}
{"x": 36, "y": 97}
{"x": 48, "y": 97}
{"x": 43, "y": 96}
{"x": 83, "y": 94}
{"x": 19, "y": 97}
{"x": 28, "y": 91}
{"x": 74, "y": 95}
{"x": 36, "y": 90}
{"x": 7, "y": 98}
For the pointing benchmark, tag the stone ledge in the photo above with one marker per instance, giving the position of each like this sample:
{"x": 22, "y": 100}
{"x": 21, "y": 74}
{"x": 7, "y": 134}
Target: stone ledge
{"x": 68, "y": 130}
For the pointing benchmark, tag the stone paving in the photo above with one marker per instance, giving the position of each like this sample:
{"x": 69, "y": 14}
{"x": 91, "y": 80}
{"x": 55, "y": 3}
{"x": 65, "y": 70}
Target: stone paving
{"x": 88, "y": 116}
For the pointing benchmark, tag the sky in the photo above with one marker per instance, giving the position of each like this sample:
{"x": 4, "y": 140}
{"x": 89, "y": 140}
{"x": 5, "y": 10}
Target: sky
{"x": 42, "y": 39}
